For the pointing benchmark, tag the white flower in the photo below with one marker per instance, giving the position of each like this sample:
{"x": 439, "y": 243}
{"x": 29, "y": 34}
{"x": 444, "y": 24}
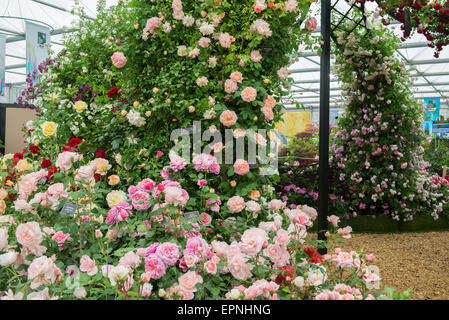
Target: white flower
{"x": 135, "y": 118}
{"x": 299, "y": 282}
{"x": 206, "y": 29}
{"x": 115, "y": 197}
{"x": 8, "y": 258}
{"x": 118, "y": 274}
{"x": 317, "y": 277}
{"x": 80, "y": 292}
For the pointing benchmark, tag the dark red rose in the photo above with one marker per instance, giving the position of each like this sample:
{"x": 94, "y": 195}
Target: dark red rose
{"x": 113, "y": 93}
{"x": 99, "y": 177}
{"x": 18, "y": 156}
{"x": 315, "y": 257}
{"x": 286, "y": 275}
{"x": 74, "y": 142}
{"x": 51, "y": 171}
{"x": 34, "y": 149}
{"x": 100, "y": 153}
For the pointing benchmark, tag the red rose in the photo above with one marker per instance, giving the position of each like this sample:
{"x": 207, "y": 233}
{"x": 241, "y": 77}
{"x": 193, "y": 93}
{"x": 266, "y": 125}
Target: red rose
{"x": 45, "y": 163}
{"x": 34, "y": 149}
{"x": 18, "y": 156}
{"x": 284, "y": 276}
{"x": 100, "y": 153}
{"x": 113, "y": 93}
{"x": 99, "y": 177}
{"x": 315, "y": 257}
{"x": 51, "y": 171}
{"x": 74, "y": 142}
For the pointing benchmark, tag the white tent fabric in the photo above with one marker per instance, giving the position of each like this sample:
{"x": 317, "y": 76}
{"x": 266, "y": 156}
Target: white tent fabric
{"x": 432, "y": 75}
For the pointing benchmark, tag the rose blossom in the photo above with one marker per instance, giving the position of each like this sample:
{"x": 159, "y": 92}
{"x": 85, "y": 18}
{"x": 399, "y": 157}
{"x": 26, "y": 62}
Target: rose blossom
{"x": 65, "y": 159}
{"x": 256, "y": 56}
{"x": 249, "y": 94}
{"x": 230, "y": 86}
{"x": 241, "y": 167}
{"x": 155, "y": 266}
{"x": 268, "y": 113}
{"x": 87, "y": 265}
{"x": 236, "y": 76}
{"x": 29, "y": 235}
{"x": 236, "y": 204}
{"x": 130, "y": 259}
{"x": 311, "y": 24}
{"x": 118, "y": 59}
{"x": 189, "y": 280}
{"x": 239, "y": 267}
{"x": 252, "y": 241}
{"x": 168, "y": 252}
{"x": 228, "y": 118}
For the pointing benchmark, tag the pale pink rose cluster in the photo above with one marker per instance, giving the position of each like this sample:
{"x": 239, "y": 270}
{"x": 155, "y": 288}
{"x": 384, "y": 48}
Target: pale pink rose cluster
{"x": 334, "y": 220}
{"x": 311, "y": 24}
{"x": 29, "y": 235}
{"x": 28, "y": 184}
{"x": 299, "y": 217}
{"x": 65, "y": 160}
{"x": 43, "y": 271}
{"x": 256, "y": 56}
{"x": 186, "y": 286}
{"x": 88, "y": 266}
{"x": 261, "y": 27}
{"x": 253, "y": 240}
{"x": 346, "y": 259}
{"x": 86, "y": 173}
{"x": 345, "y": 232}
{"x": 178, "y": 13}
{"x": 291, "y": 5}
{"x": 118, "y": 213}
{"x": 342, "y": 291}
{"x": 176, "y": 196}
{"x": 226, "y": 40}
{"x": 259, "y": 6}
{"x": 151, "y": 25}
{"x": 206, "y": 162}
{"x": 260, "y": 288}
{"x": 61, "y": 237}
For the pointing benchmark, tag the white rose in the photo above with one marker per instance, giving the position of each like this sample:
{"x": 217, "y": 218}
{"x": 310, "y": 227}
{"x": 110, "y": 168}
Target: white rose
{"x": 115, "y": 197}
{"x": 80, "y": 292}
{"x": 8, "y": 258}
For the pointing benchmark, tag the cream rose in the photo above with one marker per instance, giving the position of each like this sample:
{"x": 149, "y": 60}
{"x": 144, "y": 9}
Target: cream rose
{"x": 115, "y": 197}
{"x": 80, "y": 106}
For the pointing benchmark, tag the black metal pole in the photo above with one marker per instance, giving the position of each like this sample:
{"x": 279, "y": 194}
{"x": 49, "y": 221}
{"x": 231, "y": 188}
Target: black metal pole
{"x": 324, "y": 120}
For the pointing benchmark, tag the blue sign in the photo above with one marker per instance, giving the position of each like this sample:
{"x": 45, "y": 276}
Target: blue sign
{"x": 432, "y": 109}
{"x": 428, "y": 127}
{"x": 441, "y": 130}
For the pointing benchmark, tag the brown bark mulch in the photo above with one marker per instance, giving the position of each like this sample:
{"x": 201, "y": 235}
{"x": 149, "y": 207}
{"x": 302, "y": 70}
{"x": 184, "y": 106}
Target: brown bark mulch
{"x": 409, "y": 260}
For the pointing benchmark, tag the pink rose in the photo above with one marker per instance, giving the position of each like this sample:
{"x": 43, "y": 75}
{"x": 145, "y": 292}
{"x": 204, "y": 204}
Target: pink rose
{"x": 174, "y": 195}
{"x": 190, "y": 260}
{"x": 118, "y": 59}
{"x": 236, "y": 76}
{"x": 269, "y": 102}
{"x": 180, "y": 291}
{"x": 228, "y": 118}
{"x": 252, "y": 241}
{"x": 155, "y": 266}
{"x": 311, "y": 24}
{"x": 118, "y": 213}
{"x": 197, "y": 246}
{"x": 207, "y": 219}
{"x": 276, "y": 204}
{"x": 256, "y": 56}
{"x": 140, "y": 200}
{"x": 236, "y": 204}
{"x": 42, "y": 271}
{"x": 130, "y": 259}
{"x": 239, "y": 267}
{"x": 60, "y": 237}
{"x": 210, "y": 267}
{"x": 241, "y": 167}
{"x": 168, "y": 252}
{"x": 268, "y": 113}
{"x": 86, "y": 173}
{"x": 249, "y": 94}
{"x": 189, "y": 280}
{"x": 87, "y": 265}
{"x": 57, "y": 190}
{"x": 65, "y": 159}
{"x": 230, "y": 86}
{"x": 282, "y": 237}
{"x": 29, "y": 234}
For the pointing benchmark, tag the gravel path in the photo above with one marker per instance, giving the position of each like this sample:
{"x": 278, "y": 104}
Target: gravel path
{"x": 409, "y": 260}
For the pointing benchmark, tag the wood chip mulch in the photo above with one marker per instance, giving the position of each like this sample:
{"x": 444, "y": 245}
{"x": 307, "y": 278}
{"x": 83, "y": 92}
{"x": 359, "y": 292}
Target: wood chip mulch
{"x": 409, "y": 260}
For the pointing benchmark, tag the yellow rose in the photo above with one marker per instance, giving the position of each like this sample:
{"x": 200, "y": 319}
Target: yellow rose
{"x": 2, "y": 206}
{"x": 115, "y": 197}
{"x": 233, "y": 183}
{"x": 3, "y": 194}
{"x": 23, "y": 165}
{"x": 80, "y": 106}
{"x": 49, "y": 128}
{"x": 113, "y": 180}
